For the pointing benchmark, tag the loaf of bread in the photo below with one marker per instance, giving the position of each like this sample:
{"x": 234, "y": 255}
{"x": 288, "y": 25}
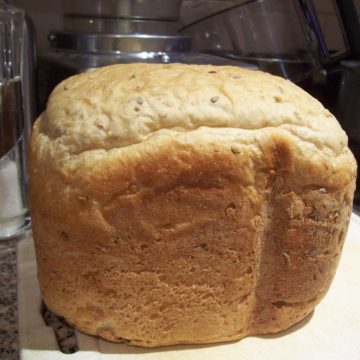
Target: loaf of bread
{"x": 181, "y": 204}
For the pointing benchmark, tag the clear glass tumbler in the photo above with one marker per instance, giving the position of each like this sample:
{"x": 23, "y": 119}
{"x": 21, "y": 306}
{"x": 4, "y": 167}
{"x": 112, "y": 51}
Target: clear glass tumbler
{"x": 14, "y": 129}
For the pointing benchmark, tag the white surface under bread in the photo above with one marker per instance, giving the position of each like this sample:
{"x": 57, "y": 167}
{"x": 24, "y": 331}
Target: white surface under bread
{"x": 332, "y": 332}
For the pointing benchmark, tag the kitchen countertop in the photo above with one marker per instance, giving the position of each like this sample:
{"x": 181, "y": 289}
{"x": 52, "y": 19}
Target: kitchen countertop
{"x": 9, "y": 348}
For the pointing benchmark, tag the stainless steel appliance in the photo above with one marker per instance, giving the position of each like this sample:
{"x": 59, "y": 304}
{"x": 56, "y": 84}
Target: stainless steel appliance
{"x": 126, "y": 16}
{"x": 116, "y": 31}
{"x": 348, "y": 109}
{"x": 283, "y": 37}
{"x": 350, "y": 14}
{"x": 301, "y": 40}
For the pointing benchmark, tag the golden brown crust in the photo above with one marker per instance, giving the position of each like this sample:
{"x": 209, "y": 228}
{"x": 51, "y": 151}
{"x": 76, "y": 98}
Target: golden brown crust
{"x": 187, "y": 236}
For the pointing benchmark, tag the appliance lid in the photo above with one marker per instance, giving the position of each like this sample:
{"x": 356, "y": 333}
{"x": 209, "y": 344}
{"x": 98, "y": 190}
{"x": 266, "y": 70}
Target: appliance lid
{"x": 125, "y": 9}
{"x": 116, "y": 43}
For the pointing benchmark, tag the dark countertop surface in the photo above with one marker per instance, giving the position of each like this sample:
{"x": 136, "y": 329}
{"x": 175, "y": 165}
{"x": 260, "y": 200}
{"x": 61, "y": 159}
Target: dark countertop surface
{"x": 9, "y": 349}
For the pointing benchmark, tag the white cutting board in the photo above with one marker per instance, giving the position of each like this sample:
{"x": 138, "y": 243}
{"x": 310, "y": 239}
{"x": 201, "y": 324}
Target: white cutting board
{"x": 332, "y": 332}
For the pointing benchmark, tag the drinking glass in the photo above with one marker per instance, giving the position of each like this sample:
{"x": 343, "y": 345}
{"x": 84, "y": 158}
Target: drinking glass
{"x": 14, "y": 121}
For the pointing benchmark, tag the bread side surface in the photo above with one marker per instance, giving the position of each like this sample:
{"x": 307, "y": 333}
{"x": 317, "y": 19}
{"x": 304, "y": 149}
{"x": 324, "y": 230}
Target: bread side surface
{"x": 210, "y": 225}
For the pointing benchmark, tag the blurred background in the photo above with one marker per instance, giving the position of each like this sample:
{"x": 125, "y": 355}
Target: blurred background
{"x": 314, "y": 43}
{"x": 48, "y": 15}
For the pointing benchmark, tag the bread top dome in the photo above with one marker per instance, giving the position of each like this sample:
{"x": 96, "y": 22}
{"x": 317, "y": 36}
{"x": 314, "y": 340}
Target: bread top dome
{"x": 122, "y": 105}
{"x": 131, "y": 109}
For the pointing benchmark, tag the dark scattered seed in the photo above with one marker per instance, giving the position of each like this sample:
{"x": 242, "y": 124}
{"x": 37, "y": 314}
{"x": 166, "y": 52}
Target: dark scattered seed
{"x": 203, "y": 246}
{"x": 297, "y": 115}
{"x": 132, "y": 188}
{"x": 230, "y": 210}
{"x": 212, "y": 72}
{"x": 286, "y": 259}
{"x": 140, "y": 100}
{"x": 64, "y": 235}
{"x": 136, "y": 108}
{"x": 133, "y": 76}
{"x": 214, "y": 99}
{"x": 235, "y": 149}
{"x": 82, "y": 198}
{"x": 279, "y": 304}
